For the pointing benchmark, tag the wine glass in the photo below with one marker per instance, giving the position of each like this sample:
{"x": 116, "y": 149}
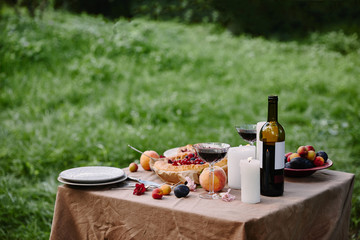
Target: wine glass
{"x": 247, "y": 132}
{"x": 211, "y": 152}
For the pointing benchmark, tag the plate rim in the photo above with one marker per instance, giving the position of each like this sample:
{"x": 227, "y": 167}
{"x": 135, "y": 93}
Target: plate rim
{"x": 94, "y": 184}
{"x": 72, "y": 179}
{"x": 171, "y": 149}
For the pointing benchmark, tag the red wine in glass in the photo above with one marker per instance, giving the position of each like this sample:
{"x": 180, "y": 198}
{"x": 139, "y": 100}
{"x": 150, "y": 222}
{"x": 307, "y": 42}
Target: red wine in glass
{"x": 247, "y": 132}
{"x": 212, "y": 155}
{"x": 211, "y": 152}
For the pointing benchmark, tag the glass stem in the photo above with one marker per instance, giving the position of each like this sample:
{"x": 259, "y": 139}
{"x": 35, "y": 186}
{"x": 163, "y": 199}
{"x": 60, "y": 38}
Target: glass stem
{"x": 212, "y": 179}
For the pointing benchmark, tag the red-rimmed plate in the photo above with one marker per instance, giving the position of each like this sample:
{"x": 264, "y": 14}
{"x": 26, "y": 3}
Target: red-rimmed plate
{"x": 291, "y": 172}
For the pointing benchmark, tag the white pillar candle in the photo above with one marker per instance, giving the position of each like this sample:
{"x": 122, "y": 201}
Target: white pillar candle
{"x": 250, "y": 180}
{"x": 235, "y": 154}
{"x": 258, "y": 142}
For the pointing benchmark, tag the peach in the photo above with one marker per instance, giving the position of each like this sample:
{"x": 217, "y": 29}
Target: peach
{"x": 311, "y": 155}
{"x": 319, "y": 161}
{"x": 219, "y": 179}
{"x": 145, "y": 159}
{"x": 133, "y": 167}
{"x": 157, "y": 193}
{"x": 302, "y": 151}
{"x": 293, "y": 155}
{"x": 166, "y": 189}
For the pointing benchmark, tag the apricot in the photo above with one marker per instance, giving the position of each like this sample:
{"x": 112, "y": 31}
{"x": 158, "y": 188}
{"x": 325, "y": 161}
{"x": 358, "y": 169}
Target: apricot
{"x": 286, "y": 157}
{"x": 311, "y": 155}
{"x": 157, "y": 193}
{"x": 145, "y": 159}
{"x": 310, "y": 148}
{"x": 219, "y": 179}
{"x": 133, "y": 167}
{"x": 302, "y": 151}
{"x": 166, "y": 189}
{"x": 319, "y": 161}
{"x": 323, "y": 155}
{"x": 293, "y": 155}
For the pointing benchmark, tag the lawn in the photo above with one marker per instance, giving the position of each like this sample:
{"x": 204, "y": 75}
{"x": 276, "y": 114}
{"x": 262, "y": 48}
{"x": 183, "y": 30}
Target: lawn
{"x": 75, "y": 90}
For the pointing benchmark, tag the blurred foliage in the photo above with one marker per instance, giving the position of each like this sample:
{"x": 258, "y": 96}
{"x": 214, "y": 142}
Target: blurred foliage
{"x": 34, "y": 7}
{"x": 283, "y": 19}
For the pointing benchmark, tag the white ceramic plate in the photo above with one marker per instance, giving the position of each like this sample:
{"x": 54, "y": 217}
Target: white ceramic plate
{"x": 171, "y": 152}
{"x": 92, "y": 174}
{"x": 121, "y": 179}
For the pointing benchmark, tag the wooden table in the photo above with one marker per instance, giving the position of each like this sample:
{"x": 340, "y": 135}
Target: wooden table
{"x": 314, "y": 207}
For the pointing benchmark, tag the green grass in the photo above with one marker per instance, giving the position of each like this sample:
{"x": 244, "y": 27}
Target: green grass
{"x": 76, "y": 90}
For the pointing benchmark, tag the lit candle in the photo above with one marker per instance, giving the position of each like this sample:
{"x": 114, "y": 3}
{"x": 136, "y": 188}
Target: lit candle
{"x": 250, "y": 180}
{"x": 235, "y": 154}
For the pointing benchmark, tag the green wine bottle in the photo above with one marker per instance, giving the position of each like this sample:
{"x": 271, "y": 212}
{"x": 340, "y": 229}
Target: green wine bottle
{"x": 272, "y": 137}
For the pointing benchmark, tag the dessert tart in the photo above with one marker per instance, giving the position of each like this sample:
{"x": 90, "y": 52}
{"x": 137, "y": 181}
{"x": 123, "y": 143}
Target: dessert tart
{"x": 185, "y": 163}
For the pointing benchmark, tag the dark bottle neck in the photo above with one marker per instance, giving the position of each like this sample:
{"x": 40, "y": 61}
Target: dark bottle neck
{"x": 272, "y": 110}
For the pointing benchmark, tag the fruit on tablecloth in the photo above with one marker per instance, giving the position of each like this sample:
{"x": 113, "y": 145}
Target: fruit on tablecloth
{"x": 181, "y": 191}
{"x": 302, "y": 151}
{"x": 323, "y": 155}
{"x": 133, "y": 167}
{"x": 166, "y": 189}
{"x": 145, "y": 159}
{"x": 311, "y": 155}
{"x": 157, "y": 193}
{"x": 300, "y": 163}
{"x": 219, "y": 179}
{"x": 319, "y": 161}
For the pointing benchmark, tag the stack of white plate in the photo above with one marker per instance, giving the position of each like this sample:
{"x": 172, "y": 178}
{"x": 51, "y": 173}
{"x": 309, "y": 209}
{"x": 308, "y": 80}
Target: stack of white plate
{"x": 92, "y": 176}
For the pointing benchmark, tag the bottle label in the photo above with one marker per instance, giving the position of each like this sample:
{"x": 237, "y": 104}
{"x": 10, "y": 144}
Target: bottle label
{"x": 279, "y": 155}
{"x": 276, "y": 152}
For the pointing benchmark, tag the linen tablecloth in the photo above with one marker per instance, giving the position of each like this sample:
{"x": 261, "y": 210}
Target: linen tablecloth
{"x": 314, "y": 207}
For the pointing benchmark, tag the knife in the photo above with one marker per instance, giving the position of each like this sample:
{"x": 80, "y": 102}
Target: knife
{"x": 145, "y": 182}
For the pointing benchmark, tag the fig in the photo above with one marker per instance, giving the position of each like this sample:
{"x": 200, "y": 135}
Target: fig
{"x": 301, "y": 163}
{"x": 181, "y": 191}
{"x": 287, "y": 165}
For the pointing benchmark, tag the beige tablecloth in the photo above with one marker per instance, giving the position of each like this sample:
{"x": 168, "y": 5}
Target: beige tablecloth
{"x": 314, "y": 207}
